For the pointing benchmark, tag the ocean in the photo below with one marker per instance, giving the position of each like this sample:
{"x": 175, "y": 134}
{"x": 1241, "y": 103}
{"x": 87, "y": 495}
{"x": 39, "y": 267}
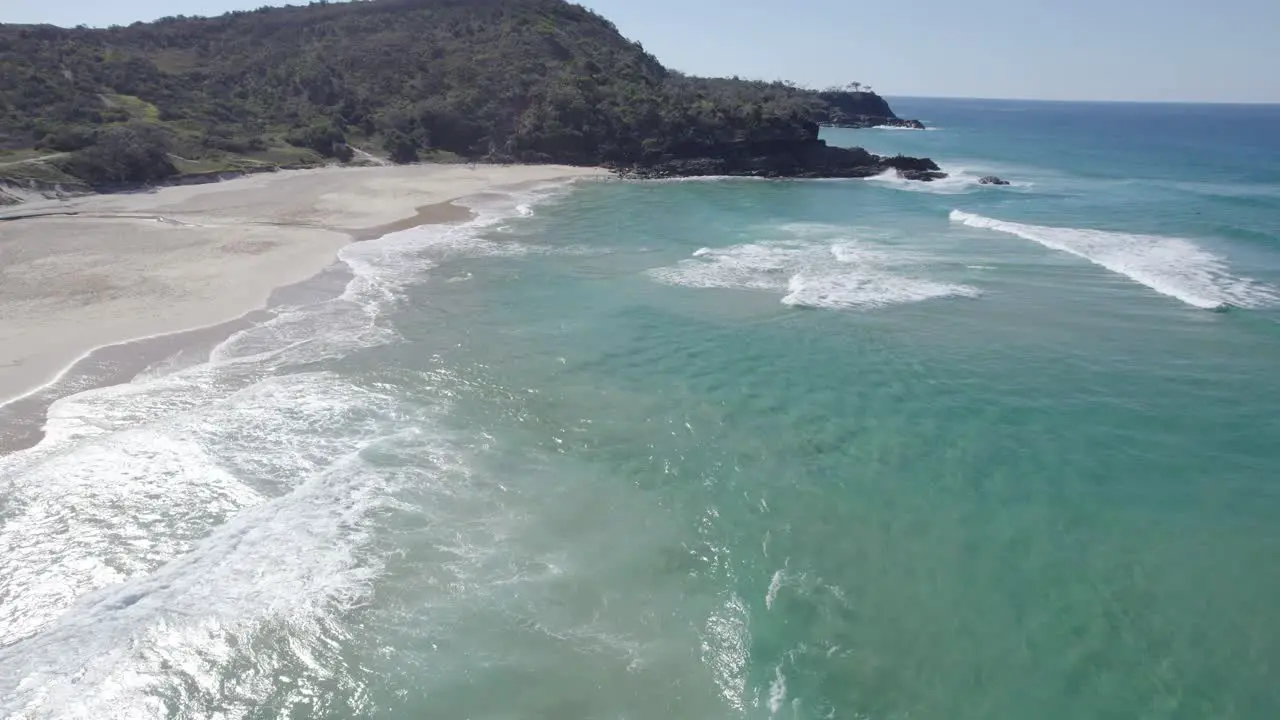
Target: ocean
{"x": 724, "y": 448}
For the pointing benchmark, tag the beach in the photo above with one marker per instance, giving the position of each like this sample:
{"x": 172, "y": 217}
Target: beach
{"x": 108, "y": 269}
{"x": 723, "y": 449}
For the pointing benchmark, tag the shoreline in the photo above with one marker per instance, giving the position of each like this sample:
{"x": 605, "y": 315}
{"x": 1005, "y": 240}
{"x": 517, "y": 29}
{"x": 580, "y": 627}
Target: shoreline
{"x": 23, "y": 419}
{"x": 92, "y": 299}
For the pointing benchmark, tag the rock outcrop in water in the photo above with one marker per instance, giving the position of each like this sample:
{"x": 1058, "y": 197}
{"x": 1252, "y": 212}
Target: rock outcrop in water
{"x": 861, "y": 110}
{"x": 992, "y": 180}
{"x": 808, "y": 157}
{"x": 861, "y": 122}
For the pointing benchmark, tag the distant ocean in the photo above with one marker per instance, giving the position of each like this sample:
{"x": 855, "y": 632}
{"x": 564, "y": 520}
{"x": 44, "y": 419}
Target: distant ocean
{"x": 866, "y": 450}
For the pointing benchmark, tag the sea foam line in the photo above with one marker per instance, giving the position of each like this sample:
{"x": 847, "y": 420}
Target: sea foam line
{"x": 486, "y": 217}
{"x": 294, "y": 560}
{"x": 249, "y": 452}
{"x": 66, "y": 370}
{"x": 1171, "y": 266}
{"x": 818, "y": 266}
{"x": 960, "y": 180}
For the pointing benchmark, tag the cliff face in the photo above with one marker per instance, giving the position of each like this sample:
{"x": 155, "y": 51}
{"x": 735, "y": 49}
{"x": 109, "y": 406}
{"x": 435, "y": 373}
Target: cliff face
{"x": 802, "y": 157}
{"x": 854, "y": 104}
{"x": 860, "y": 110}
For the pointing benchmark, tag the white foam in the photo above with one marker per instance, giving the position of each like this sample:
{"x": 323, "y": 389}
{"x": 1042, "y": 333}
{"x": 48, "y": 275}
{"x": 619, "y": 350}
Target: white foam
{"x": 1171, "y": 266}
{"x": 726, "y": 650}
{"x": 775, "y": 584}
{"x": 165, "y": 528}
{"x": 866, "y": 291}
{"x": 701, "y": 179}
{"x": 217, "y": 504}
{"x": 383, "y": 266}
{"x": 777, "y": 691}
{"x": 959, "y": 180}
{"x": 62, "y": 373}
{"x": 142, "y": 556}
{"x": 152, "y": 469}
{"x": 756, "y": 266}
{"x": 381, "y": 269}
{"x": 294, "y": 562}
{"x": 817, "y": 268}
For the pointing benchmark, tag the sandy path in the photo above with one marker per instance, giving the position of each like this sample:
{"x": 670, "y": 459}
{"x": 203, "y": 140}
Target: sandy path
{"x": 29, "y": 161}
{"x": 137, "y": 265}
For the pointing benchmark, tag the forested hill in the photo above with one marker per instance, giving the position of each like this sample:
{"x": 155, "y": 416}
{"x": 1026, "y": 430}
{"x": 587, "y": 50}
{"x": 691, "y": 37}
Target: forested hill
{"x": 523, "y": 80}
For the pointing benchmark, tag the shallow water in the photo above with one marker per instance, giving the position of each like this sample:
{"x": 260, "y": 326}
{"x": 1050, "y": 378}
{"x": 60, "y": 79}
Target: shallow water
{"x": 709, "y": 449}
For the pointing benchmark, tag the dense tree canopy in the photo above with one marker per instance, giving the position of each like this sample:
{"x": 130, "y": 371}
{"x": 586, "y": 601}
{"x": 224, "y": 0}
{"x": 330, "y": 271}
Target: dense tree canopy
{"x": 526, "y": 80}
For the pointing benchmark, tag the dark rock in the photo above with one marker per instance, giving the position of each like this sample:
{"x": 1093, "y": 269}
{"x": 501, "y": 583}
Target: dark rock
{"x": 860, "y": 110}
{"x": 790, "y": 152}
{"x": 902, "y": 123}
{"x": 807, "y": 158}
{"x": 992, "y": 180}
{"x": 862, "y": 122}
{"x": 922, "y": 175}
{"x": 903, "y": 162}
{"x": 853, "y": 104}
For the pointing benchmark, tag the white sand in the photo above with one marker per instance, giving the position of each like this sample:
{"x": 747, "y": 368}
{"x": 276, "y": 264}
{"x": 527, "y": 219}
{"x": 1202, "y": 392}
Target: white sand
{"x": 137, "y": 265}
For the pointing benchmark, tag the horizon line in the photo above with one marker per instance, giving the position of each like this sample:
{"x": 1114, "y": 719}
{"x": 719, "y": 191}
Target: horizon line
{"x": 1082, "y": 100}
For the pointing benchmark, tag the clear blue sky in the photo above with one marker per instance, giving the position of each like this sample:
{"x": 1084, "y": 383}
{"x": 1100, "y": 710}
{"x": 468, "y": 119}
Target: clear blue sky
{"x": 1215, "y": 50}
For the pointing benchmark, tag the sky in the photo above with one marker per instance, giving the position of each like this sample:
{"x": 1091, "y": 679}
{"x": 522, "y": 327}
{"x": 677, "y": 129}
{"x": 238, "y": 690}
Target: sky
{"x": 1144, "y": 50}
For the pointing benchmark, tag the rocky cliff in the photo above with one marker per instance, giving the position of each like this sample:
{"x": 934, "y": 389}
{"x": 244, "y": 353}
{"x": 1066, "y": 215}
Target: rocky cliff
{"x": 483, "y": 80}
{"x": 806, "y": 157}
{"x": 860, "y": 110}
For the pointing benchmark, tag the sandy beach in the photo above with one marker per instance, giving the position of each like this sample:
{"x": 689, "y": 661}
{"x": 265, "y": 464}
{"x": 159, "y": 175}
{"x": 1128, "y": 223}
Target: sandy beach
{"x": 132, "y": 266}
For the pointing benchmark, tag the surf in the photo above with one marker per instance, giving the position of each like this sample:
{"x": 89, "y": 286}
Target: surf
{"x": 167, "y": 526}
{"x": 1171, "y": 266}
{"x": 959, "y": 181}
{"x": 815, "y": 266}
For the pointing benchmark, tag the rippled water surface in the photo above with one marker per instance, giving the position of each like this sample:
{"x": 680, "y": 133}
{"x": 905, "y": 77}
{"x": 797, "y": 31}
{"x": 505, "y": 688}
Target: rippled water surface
{"x": 710, "y": 449}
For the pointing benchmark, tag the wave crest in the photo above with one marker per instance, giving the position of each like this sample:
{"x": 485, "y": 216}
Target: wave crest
{"x": 1171, "y": 266}
{"x": 166, "y": 528}
{"x": 959, "y": 181}
{"x": 814, "y": 268}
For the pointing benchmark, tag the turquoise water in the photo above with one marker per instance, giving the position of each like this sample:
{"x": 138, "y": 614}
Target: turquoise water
{"x": 711, "y": 449}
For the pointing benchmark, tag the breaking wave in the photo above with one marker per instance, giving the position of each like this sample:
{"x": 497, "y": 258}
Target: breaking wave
{"x": 819, "y": 267}
{"x": 1171, "y": 266}
{"x": 220, "y": 515}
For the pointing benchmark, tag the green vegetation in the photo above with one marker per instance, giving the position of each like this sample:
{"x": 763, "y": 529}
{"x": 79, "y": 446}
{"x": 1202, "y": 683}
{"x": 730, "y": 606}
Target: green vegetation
{"x": 510, "y": 80}
{"x": 137, "y": 152}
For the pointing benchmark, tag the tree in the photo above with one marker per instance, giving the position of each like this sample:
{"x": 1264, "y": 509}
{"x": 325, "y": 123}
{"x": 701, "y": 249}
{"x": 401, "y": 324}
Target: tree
{"x": 323, "y": 136}
{"x": 528, "y": 79}
{"x": 67, "y": 139}
{"x": 135, "y": 153}
{"x": 400, "y": 147}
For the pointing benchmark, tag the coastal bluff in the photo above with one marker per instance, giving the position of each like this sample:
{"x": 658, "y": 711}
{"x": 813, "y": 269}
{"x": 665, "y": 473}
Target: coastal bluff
{"x": 806, "y": 156}
{"x": 864, "y": 109}
{"x": 395, "y": 82}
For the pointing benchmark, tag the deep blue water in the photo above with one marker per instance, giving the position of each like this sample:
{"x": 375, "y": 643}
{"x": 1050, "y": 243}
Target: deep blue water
{"x": 1145, "y": 167}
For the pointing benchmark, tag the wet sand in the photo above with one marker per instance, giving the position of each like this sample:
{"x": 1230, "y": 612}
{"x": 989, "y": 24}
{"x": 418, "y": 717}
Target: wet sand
{"x": 93, "y": 299}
